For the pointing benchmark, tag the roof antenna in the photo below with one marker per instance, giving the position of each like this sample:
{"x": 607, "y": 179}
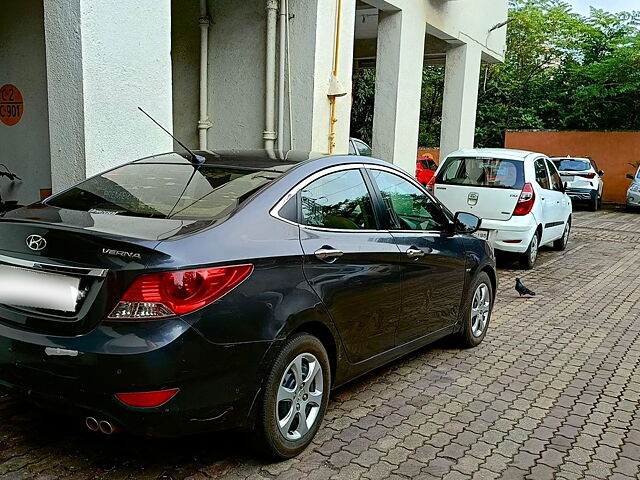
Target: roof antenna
{"x": 193, "y": 157}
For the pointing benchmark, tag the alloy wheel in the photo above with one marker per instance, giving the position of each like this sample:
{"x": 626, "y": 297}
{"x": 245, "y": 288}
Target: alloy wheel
{"x": 480, "y": 307}
{"x": 299, "y": 397}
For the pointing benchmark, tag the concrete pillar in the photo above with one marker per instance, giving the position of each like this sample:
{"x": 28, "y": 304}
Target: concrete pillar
{"x": 400, "y": 58}
{"x": 126, "y": 53}
{"x": 65, "y": 92}
{"x": 460, "y": 100}
{"x": 104, "y": 59}
{"x": 312, "y": 50}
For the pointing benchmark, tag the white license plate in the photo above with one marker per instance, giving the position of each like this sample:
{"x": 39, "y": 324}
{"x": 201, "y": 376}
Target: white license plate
{"x": 28, "y": 288}
{"x": 568, "y": 178}
{"x": 482, "y": 234}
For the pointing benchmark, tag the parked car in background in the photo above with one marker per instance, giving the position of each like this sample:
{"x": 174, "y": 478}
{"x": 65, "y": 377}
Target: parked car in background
{"x": 582, "y": 178}
{"x": 168, "y": 297}
{"x": 426, "y": 168}
{"x": 633, "y": 192}
{"x": 358, "y": 147}
{"x": 519, "y": 196}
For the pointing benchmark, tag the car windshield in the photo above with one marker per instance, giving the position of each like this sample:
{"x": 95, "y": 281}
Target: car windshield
{"x": 572, "y": 165}
{"x": 482, "y": 172}
{"x": 179, "y": 191}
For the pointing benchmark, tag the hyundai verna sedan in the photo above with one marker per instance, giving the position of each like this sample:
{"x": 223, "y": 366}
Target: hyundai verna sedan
{"x": 167, "y": 298}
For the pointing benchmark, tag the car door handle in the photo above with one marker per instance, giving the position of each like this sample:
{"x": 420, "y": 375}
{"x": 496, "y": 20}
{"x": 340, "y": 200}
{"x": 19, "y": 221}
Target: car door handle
{"x": 328, "y": 254}
{"x": 413, "y": 252}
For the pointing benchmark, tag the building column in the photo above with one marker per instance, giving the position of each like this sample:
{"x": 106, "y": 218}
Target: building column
{"x": 460, "y": 100}
{"x": 312, "y": 53}
{"x": 65, "y": 92}
{"x": 104, "y": 59}
{"x": 400, "y": 58}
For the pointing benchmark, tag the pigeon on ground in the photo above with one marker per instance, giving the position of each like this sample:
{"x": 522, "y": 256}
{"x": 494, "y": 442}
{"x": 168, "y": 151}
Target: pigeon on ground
{"x": 522, "y": 290}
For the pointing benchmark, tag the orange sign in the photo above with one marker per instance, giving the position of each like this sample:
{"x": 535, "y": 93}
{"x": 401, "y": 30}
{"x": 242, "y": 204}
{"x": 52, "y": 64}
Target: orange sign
{"x": 11, "y": 104}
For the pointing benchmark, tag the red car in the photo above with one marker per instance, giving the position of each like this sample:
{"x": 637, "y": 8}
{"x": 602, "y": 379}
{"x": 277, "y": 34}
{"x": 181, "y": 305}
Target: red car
{"x": 426, "y": 168}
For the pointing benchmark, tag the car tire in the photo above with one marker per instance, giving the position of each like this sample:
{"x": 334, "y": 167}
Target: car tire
{"x": 594, "y": 203}
{"x": 477, "y": 312}
{"x": 528, "y": 258}
{"x": 297, "y": 388}
{"x": 561, "y": 243}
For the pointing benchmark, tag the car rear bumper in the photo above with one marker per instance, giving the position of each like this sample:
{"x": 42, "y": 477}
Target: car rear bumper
{"x": 218, "y": 383}
{"x": 513, "y": 235}
{"x": 633, "y": 199}
{"x": 582, "y": 194}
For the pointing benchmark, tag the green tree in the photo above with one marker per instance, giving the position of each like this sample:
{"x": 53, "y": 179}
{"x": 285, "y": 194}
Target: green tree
{"x": 562, "y": 71}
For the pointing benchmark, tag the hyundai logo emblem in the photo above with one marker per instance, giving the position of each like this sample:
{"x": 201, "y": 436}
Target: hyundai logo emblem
{"x": 36, "y": 243}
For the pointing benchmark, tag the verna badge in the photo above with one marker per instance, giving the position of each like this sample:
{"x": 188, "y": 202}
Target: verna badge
{"x": 472, "y": 199}
{"x": 36, "y": 243}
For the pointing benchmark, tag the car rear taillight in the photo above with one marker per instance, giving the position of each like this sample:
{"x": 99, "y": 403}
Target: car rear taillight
{"x": 167, "y": 294}
{"x": 590, "y": 176}
{"x": 431, "y": 185}
{"x": 147, "y": 399}
{"x": 526, "y": 200}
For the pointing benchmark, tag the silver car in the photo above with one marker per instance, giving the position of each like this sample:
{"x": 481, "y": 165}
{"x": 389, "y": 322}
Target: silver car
{"x": 633, "y": 193}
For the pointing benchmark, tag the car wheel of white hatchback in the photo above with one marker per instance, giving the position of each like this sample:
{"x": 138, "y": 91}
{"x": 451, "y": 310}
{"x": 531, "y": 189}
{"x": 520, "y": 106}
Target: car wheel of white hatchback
{"x": 528, "y": 259}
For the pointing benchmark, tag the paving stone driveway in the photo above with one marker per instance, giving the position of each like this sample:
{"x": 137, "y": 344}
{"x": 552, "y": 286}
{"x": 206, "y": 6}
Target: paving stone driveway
{"x": 553, "y": 392}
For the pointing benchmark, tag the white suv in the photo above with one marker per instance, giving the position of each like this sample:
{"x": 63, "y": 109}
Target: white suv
{"x": 519, "y": 196}
{"x": 582, "y": 179}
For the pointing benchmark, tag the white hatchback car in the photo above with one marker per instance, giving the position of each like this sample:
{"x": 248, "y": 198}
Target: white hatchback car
{"x": 519, "y": 196}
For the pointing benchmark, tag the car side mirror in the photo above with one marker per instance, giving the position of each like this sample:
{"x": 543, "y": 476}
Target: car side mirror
{"x": 601, "y": 172}
{"x": 466, "y": 223}
{"x": 630, "y": 177}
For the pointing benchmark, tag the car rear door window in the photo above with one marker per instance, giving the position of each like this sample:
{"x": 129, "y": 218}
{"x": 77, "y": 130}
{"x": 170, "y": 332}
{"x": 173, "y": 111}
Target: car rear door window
{"x": 482, "y": 172}
{"x": 409, "y": 207}
{"x": 339, "y": 201}
{"x": 542, "y": 176}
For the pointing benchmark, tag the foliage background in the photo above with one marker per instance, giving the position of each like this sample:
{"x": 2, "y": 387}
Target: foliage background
{"x": 562, "y": 71}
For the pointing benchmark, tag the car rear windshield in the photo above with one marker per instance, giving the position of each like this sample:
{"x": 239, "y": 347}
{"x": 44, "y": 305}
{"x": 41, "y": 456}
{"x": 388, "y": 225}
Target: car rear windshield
{"x": 179, "y": 191}
{"x": 572, "y": 165}
{"x": 482, "y": 172}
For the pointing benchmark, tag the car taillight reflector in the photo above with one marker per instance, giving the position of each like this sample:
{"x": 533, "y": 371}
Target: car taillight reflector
{"x": 525, "y": 201}
{"x": 166, "y": 294}
{"x": 147, "y": 399}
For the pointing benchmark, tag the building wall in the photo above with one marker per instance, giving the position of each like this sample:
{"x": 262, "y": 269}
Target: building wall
{"x": 24, "y": 147}
{"x": 612, "y": 151}
{"x": 237, "y": 49}
{"x": 185, "y": 62}
{"x": 470, "y": 21}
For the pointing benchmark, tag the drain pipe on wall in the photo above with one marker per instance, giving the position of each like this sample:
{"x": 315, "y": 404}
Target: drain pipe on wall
{"x": 284, "y": 16}
{"x": 336, "y": 89}
{"x": 269, "y": 133}
{"x": 203, "y": 123}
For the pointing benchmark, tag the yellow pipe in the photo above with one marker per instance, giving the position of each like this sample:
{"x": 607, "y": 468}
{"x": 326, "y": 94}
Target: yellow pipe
{"x": 332, "y": 98}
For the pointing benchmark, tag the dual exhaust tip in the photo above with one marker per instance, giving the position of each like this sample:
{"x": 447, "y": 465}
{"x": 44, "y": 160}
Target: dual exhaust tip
{"x": 102, "y": 426}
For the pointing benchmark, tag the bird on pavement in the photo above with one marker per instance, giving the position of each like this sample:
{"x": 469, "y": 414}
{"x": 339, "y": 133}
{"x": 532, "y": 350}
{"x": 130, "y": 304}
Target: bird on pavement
{"x": 522, "y": 290}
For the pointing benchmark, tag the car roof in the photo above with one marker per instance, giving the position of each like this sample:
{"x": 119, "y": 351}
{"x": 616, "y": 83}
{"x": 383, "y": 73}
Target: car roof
{"x": 506, "y": 153}
{"x": 571, "y": 158}
{"x": 261, "y": 160}
{"x": 250, "y": 159}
